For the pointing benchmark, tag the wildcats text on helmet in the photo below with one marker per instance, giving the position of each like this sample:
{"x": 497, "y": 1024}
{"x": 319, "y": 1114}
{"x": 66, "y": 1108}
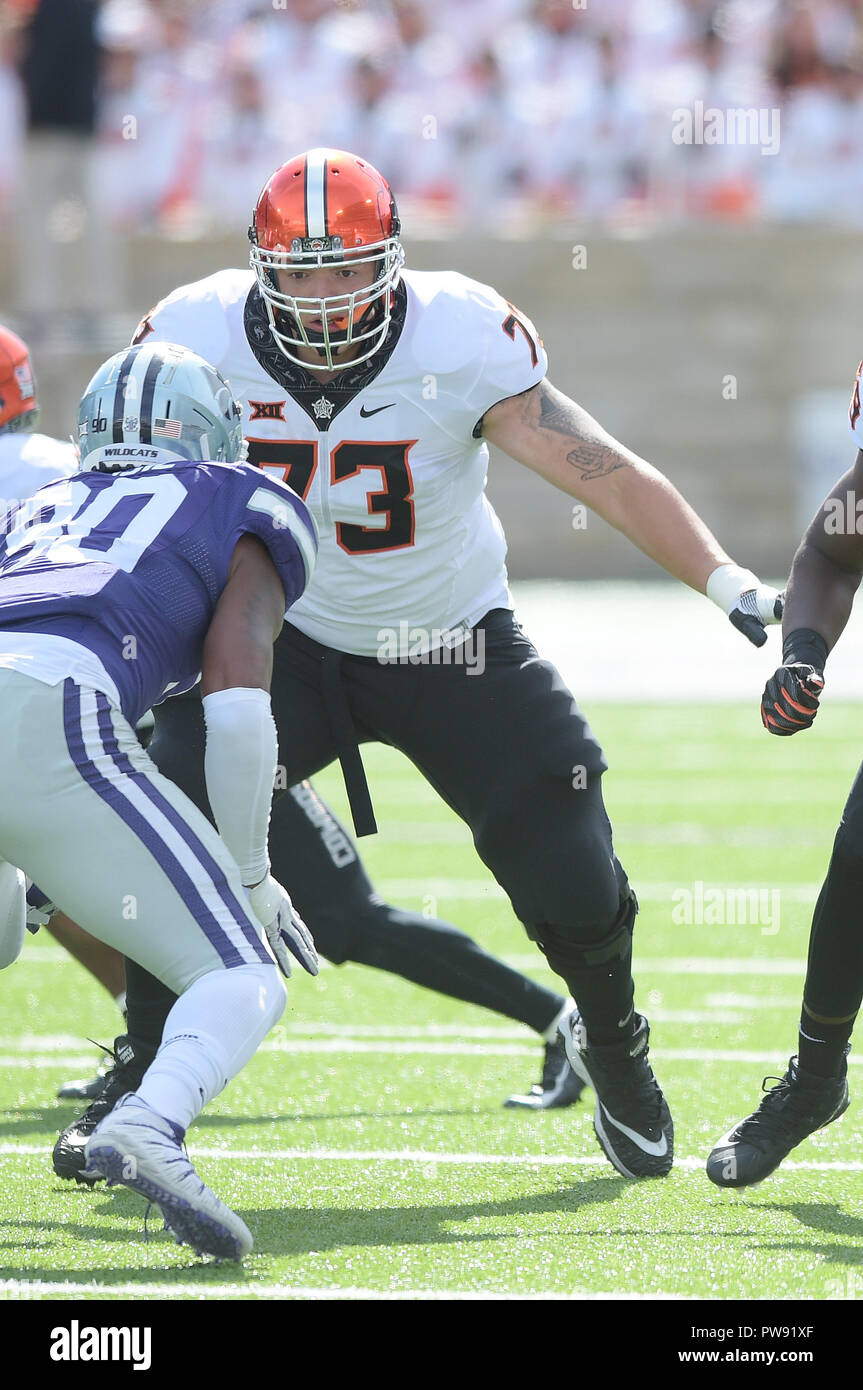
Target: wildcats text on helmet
{"x": 155, "y": 402}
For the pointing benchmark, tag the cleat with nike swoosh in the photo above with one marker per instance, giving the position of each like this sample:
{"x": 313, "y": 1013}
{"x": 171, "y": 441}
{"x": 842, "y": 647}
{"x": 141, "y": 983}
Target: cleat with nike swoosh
{"x": 632, "y": 1121}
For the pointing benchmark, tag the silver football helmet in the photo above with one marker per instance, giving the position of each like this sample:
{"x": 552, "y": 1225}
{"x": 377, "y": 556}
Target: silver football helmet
{"x": 156, "y": 403}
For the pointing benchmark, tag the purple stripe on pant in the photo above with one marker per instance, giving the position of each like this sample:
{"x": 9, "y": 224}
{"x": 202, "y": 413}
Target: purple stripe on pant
{"x": 164, "y": 856}
{"x": 185, "y": 831}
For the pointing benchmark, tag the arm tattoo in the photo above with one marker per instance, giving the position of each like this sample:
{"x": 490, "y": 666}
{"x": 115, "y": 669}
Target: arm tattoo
{"x": 595, "y": 455}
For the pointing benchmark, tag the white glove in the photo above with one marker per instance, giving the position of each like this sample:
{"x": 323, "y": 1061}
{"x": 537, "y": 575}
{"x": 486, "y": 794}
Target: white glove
{"x": 40, "y": 909}
{"x": 285, "y": 929}
{"x": 750, "y": 605}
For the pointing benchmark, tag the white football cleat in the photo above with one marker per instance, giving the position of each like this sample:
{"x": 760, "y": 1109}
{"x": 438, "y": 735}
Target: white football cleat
{"x": 139, "y": 1148}
{"x": 13, "y": 913}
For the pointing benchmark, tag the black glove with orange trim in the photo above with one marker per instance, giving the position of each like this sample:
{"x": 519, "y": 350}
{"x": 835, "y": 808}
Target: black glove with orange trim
{"x": 790, "y": 699}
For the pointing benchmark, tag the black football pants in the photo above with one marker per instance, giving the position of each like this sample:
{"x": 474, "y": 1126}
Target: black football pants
{"x": 834, "y": 977}
{"x": 507, "y": 748}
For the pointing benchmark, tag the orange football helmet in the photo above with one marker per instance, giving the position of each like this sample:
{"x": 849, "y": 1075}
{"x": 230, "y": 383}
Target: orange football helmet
{"x": 18, "y": 408}
{"x": 327, "y": 208}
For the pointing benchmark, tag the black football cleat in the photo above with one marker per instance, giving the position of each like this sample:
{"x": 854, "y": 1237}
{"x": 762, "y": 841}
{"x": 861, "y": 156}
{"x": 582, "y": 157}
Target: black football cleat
{"x": 123, "y": 1076}
{"x": 84, "y": 1088}
{"x": 558, "y": 1087}
{"x": 794, "y": 1108}
{"x": 631, "y": 1121}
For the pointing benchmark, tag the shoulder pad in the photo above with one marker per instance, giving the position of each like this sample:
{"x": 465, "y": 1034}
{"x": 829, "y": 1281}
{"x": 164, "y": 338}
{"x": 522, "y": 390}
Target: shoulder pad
{"x": 195, "y": 315}
{"x": 452, "y": 322}
{"x": 281, "y": 519}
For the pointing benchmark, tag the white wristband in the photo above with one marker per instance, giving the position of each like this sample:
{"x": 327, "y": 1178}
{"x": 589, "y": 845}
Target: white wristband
{"x": 239, "y": 768}
{"x": 727, "y": 583}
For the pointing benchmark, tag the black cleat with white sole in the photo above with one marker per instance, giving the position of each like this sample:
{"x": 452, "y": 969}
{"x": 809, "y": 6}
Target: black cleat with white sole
{"x": 632, "y": 1121}
{"x": 798, "y": 1105}
{"x": 558, "y": 1087}
{"x": 125, "y": 1074}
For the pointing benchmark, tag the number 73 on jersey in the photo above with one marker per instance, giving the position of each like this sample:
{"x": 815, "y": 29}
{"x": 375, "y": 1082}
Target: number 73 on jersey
{"x": 295, "y": 462}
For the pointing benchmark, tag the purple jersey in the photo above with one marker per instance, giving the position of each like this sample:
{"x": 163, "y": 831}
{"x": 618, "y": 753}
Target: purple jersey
{"x": 132, "y": 565}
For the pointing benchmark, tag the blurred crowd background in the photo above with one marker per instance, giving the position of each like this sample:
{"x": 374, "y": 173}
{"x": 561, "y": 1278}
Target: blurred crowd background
{"x": 500, "y": 115}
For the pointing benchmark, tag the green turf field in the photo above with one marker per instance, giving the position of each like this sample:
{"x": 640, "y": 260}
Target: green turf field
{"x": 366, "y": 1145}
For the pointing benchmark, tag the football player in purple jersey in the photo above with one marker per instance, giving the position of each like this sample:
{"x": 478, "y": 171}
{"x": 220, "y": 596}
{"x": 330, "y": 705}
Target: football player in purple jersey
{"x": 165, "y": 561}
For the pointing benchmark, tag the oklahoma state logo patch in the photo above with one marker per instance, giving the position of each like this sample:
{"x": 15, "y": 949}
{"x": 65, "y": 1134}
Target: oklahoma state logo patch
{"x": 267, "y": 410}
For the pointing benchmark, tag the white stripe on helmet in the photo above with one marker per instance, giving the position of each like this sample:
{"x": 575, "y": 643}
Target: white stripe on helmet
{"x": 316, "y": 222}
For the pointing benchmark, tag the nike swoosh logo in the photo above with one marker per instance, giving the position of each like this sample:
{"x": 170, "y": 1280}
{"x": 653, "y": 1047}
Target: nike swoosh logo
{"x": 658, "y": 1147}
{"x": 727, "y": 1141}
{"x": 377, "y": 410}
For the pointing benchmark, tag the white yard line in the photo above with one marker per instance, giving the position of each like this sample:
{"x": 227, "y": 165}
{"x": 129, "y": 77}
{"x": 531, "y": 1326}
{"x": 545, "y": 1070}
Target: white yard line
{"x": 687, "y": 833}
{"x": 660, "y": 891}
{"x": 40, "y": 1288}
{"x": 66, "y": 1062}
{"x": 671, "y": 965}
{"x": 691, "y": 965}
{"x": 430, "y": 1158}
{"x": 340, "y": 1047}
{"x": 347, "y": 1043}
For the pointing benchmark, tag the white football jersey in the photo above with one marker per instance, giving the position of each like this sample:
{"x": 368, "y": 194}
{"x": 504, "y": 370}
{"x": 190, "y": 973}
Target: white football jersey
{"x": 384, "y": 456}
{"x": 29, "y": 461}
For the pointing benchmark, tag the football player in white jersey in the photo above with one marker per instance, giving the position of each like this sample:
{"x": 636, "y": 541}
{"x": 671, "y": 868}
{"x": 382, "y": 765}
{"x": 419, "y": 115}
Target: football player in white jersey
{"x": 28, "y": 460}
{"x": 825, "y": 576}
{"x": 164, "y": 558}
{"x": 373, "y": 391}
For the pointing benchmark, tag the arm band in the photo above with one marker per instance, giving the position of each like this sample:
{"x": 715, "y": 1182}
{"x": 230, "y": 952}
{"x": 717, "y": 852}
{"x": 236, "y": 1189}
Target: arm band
{"x": 726, "y": 584}
{"x": 806, "y": 645}
{"x": 239, "y": 768}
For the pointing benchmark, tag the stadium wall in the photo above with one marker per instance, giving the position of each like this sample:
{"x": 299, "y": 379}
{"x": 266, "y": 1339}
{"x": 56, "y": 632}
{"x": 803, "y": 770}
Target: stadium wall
{"x": 724, "y": 355}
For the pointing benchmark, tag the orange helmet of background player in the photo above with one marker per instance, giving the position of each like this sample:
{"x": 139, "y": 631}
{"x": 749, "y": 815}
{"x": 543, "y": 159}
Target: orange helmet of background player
{"x": 18, "y": 409}
{"x": 327, "y": 208}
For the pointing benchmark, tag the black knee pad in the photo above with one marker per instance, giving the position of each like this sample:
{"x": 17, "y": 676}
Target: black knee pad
{"x": 566, "y": 950}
